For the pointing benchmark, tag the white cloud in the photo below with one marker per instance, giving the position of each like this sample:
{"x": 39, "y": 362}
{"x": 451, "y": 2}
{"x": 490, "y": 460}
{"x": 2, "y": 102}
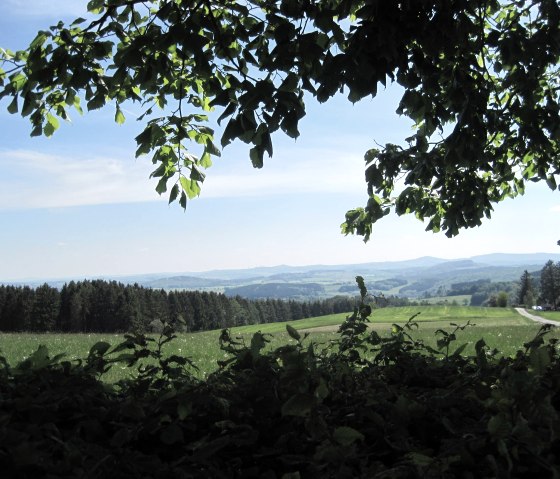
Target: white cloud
{"x": 30, "y": 179}
{"x": 555, "y": 209}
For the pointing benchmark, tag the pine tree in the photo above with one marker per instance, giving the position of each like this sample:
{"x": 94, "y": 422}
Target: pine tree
{"x": 550, "y": 283}
{"x": 45, "y": 309}
{"x": 526, "y": 289}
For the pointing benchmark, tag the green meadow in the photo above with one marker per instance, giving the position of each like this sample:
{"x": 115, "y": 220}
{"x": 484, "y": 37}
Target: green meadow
{"x": 501, "y": 328}
{"x": 552, "y": 315}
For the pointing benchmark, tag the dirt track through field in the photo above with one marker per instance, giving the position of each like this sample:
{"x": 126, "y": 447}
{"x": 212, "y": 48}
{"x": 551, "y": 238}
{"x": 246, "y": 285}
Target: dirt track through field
{"x": 527, "y": 314}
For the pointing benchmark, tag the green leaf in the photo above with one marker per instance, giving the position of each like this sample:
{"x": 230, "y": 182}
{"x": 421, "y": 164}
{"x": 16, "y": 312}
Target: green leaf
{"x": 420, "y": 460}
{"x": 289, "y": 125}
{"x": 183, "y": 200}
{"x": 78, "y": 21}
{"x": 290, "y": 83}
{"x": 13, "y": 106}
{"x": 28, "y": 105}
{"x": 499, "y": 426}
{"x": 256, "y": 154}
{"x": 76, "y": 104}
{"x": 298, "y": 405}
{"x": 346, "y": 436}
{"x": 322, "y": 390}
{"x": 234, "y": 129}
{"x": 99, "y": 348}
{"x": 258, "y": 342}
{"x": 39, "y": 40}
{"x": 37, "y": 131}
{"x": 161, "y": 187}
{"x": 119, "y": 116}
{"x": 190, "y": 187}
{"x": 174, "y": 193}
{"x": 206, "y": 160}
{"x": 196, "y": 174}
{"x": 293, "y": 332}
{"x": 37, "y": 360}
{"x": 230, "y": 110}
{"x": 184, "y": 410}
{"x": 51, "y": 126}
{"x": 95, "y": 6}
{"x": 460, "y": 349}
{"x": 539, "y": 359}
{"x": 96, "y": 102}
{"x": 212, "y": 149}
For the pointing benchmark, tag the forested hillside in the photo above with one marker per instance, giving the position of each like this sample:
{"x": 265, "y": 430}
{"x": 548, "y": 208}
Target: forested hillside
{"x": 277, "y": 290}
{"x": 101, "y": 306}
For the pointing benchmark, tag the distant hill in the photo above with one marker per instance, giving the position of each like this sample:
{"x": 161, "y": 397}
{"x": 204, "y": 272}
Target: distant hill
{"x": 505, "y": 259}
{"x": 410, "y": 278}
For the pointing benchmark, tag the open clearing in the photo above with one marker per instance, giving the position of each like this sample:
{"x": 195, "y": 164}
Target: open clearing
{"x": 501, "y": 328}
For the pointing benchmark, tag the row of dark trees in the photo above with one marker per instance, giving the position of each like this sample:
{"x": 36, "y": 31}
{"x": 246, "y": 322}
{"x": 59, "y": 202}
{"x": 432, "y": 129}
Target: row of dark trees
{"x": 101, "y": 306}
{"x": 544, "y": 289}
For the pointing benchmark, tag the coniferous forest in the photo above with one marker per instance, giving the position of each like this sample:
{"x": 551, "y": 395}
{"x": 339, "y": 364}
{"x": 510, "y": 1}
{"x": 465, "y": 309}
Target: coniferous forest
{"x": 99, "y": 306}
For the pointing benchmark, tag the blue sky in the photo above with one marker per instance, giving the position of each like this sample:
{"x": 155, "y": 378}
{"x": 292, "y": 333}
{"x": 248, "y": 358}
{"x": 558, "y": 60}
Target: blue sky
{"x": 80, "y": 205}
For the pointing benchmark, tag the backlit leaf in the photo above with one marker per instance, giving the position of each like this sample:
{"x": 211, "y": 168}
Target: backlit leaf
{"x": 51, "y": 126}
{"x": 119, "y": 116}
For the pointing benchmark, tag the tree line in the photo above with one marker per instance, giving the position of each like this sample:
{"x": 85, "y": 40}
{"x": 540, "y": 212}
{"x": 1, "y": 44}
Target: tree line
{"x": 542, "y": 287}
{"x": 537, "y": 288}
{"x": 108, "y": 306}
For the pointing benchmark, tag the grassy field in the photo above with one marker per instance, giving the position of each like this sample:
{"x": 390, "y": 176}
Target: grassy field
{"x": 384, "y": 317}
{"x": 503, "y": 329}
{"x": 552, "y": 315}
{"x": 463, "y": 299}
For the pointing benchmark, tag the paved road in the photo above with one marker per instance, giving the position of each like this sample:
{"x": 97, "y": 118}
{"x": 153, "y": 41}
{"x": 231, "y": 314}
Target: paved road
{"x": 527, "y": 314}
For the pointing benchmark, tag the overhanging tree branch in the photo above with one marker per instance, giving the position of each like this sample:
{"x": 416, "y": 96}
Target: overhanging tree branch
{"x": 484, "y": 69}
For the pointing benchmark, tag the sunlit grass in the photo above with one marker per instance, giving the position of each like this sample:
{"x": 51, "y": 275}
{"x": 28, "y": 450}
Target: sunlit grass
{"x": 552, "y": 315}
{"x": 503, "y": 329}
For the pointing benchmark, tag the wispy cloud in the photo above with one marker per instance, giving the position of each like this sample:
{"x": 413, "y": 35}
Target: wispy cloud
{"x": 30, "y": 179}
{"x": 555, "y": 209}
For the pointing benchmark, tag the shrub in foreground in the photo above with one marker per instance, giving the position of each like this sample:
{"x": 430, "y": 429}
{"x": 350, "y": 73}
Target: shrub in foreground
{"x": 363, "y": 406}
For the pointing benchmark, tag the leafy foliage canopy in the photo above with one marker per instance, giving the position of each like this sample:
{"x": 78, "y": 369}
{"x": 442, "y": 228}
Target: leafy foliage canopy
{"x": 480, "y": 81}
